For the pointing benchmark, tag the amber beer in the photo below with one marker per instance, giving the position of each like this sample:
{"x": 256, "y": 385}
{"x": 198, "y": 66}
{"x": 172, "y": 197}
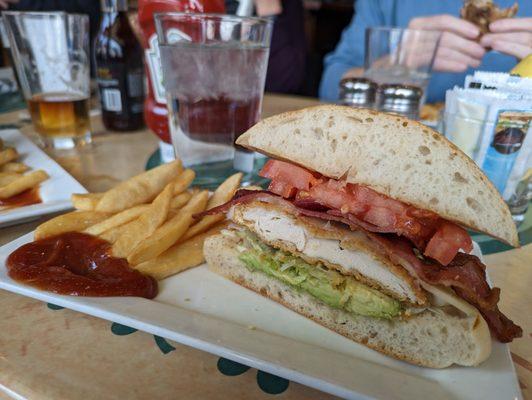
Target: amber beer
{"x": 60, "y": 114}
{"x": 54, "y": 73}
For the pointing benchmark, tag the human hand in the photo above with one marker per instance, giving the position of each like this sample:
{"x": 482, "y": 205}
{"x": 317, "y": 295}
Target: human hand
{"x": 266, "y": 8}
{"x": 4, "y": 4}
{"x": 458, "y": 49}
{"x": 356, "y": 72}
{"x": 511, "y": 36}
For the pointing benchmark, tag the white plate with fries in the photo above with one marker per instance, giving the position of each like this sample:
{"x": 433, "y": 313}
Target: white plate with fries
{"x": 148, "y": 220}
{"x": 24, "y": 166}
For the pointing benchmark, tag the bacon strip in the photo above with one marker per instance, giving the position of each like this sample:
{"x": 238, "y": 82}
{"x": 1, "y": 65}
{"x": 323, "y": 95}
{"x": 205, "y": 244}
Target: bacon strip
{"x": 465, "y": 274}
{"x": 309, "y": 210}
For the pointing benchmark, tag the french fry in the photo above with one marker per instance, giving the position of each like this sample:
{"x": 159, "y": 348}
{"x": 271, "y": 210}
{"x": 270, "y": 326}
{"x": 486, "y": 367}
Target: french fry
{"x": 17, "y": 167}
{"x": 221, "y": 195}
{"x": 85, "y": 201}
{"x": 7, "y": 155}
{"x": 180, "y": 200}
{"x": 179, "y": 257}
{"x": 73, "y": 221}
{"x": 23, "y": 183}
{"x": 170, "y": 232}
{"x": 140, "y": 189}
{"x": 183, "y": 181}
{"x": 113, "y": 234}
{"x": 116, "y": 220}
{"x": 139, "y": 229}
{"x": 8, "y": 177}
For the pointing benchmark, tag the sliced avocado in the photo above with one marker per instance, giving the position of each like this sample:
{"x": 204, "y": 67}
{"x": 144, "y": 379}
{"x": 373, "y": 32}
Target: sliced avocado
{"x": 331, "y": 287}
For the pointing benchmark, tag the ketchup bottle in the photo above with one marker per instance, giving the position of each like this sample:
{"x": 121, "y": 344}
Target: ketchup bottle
{"x": 155, "y": 111}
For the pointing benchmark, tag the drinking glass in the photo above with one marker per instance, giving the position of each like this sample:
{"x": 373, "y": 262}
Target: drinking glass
{"x": 214, "y": 68}
{"x": 400, "y": 56}
{"x": 51, "y": 55}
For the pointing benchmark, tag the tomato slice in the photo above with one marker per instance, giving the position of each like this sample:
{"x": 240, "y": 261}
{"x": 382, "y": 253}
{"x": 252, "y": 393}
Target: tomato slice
{"x": 281, "y": 188}
{"x": 447, "y": 241}
{"x": 440, "y": 239}
{"x": 291, "y": 174}
{"x": 332, "y": 195}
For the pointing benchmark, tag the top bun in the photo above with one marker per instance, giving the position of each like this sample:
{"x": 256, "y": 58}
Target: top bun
{"x": 395, "y": 156}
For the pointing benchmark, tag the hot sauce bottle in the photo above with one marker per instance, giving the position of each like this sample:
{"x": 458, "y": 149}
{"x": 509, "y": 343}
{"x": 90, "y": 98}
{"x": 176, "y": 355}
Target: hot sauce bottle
{"x": 155, "y": 111}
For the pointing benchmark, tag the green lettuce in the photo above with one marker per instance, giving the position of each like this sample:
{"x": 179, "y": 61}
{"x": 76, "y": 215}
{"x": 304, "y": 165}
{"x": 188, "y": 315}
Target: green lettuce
{"x": 329, "y": 286}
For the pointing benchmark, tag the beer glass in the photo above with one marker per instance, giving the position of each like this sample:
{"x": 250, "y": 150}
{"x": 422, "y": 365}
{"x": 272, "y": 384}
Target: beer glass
{"x": 214, "y": 69}
{"x": 51, "y": 55}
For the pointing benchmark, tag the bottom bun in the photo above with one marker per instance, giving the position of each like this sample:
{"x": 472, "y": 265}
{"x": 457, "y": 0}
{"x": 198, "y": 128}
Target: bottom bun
{"x": 431, "y": 338}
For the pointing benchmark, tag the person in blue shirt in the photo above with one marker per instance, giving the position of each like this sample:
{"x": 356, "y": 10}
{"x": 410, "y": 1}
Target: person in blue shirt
{"x": 460, "y": 50}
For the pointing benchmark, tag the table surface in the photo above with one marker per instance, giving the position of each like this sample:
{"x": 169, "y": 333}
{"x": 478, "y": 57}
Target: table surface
{"x": 50, "y": 353}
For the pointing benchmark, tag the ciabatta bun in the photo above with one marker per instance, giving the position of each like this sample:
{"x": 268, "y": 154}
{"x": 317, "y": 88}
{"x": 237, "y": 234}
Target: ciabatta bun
{"x": 395, "y": 156}
{"x": 431, "y": 339}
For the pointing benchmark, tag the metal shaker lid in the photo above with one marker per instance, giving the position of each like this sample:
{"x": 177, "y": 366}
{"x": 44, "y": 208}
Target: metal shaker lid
{"x": 359, "y": 91}
{"x": 401, "y": 99}
{"x": 401, "y": 92}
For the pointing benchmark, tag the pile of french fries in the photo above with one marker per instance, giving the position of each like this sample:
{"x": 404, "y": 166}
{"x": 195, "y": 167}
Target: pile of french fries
{"x": 149, "y": 219}
{"x": 13, "y": 179}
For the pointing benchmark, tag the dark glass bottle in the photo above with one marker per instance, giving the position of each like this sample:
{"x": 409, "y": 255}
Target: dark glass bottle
{"x": 119, "y": 69}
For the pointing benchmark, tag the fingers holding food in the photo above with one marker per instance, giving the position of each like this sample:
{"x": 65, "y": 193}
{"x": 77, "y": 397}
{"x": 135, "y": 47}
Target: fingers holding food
{"x": 512, "y": 36}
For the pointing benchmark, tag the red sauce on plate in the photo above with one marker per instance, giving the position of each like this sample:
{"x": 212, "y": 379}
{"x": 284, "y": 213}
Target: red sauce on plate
{"x": 77, "y": 264}
{"x": 26, "y": 198}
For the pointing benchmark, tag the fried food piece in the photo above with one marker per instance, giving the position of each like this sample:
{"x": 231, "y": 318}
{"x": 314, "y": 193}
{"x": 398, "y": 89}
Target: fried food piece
{"x": 179, "y": 257}
{"x": 483, "y": 12}
{"x": 75, "y": 221}
{"x": 119, "y": 219}
{"x": 142, "y": 227}
{"x": 86, "y": 201}
{"x": 221, "y": 195}
{"x": 170, "y": 232}
{"x": 23, "y": 183}
{"x": 140, "y": 189}
{"x": 17, "y": 167}
{"x": 7, "y": 155}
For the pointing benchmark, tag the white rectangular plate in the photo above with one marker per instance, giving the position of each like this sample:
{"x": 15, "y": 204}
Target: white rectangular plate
{"x": 201, "y": 309}
{"x": 55, "y": 192}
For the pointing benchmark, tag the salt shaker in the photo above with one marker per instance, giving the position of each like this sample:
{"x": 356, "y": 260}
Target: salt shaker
{"x": 358, "y": 92}
{"x": 400, "y": 99}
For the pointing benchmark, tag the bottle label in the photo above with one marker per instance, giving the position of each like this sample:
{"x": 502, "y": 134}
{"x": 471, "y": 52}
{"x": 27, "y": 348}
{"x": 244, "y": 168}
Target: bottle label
{"x": 121, "y": 91}
{"x": 111, "y": 100}
{"x": 153, "y": 58}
